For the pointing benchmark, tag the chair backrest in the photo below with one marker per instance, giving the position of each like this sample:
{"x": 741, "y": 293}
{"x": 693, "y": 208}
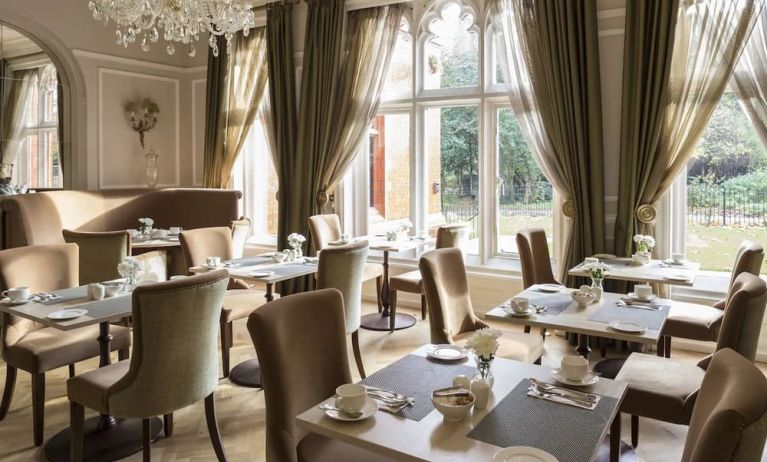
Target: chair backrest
{"x": 341, "y": 268}
{"x": 534, "y": 256}
{"x": 447, "y": 295}
{"x": 748, "y": 259}
{"x": 199, "y": 244}
{"x": 175, "y": 356}
{"x": 324, "y": 229}
{"x": 240, "y": 233}
{"x": 729, "y": 420}
{"x": 300, "y": 341}
{"x": 42, "y": 268}
{"x": 743, "y": 313}
{"x": 454, "y": 235}
{"x": 100, "y": 253}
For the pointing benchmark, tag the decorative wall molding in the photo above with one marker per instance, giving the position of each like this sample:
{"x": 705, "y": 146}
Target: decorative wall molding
{"x": 195, "y": 156}
{"x": 137, "y": 62}
{"x": 177, "y": 96}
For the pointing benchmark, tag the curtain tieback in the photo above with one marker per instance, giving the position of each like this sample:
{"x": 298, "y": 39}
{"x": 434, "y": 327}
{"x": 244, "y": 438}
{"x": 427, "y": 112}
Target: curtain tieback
{"x": 323, "y": 197}
{"x": 647, "y": 213}
{"x": 568, "y": 208}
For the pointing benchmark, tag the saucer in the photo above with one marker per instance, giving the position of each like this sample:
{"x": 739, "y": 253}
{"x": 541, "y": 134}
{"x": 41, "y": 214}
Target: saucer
{"x": 523, "y": 454}
{"x": 212, "y": 267}
{"x": 628, "y": 327}
{"x": 549, "y": 288}
{"x": 261, "y": 274}
{"x": 9, "y": 302}
{"x": 634, "y": 296}
{"x": 368, "y": 410}
{"x": 677, "y": 277}
{"x": 63, "y": 315}
{"x": 510, "y": 311}
{"x": 590, "y": 379}
{"x": 446, "y": 352}
{"x": 675, "y": 263}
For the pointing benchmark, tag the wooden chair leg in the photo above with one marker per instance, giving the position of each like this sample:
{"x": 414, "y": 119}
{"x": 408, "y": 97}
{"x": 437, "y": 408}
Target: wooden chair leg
{"x": 10, "y": 385}
{"x": 146, "y": 439}
{"x": 423, "y": 307}
{"x": 659, "y": 347}
{"x": 615, "y": 439}
{"x": 123, "y": 354}
{"x": 392, "y": 309}
{"x": 224, "y": 329}
{"x": 167, "y": 424}
{"x": 602, "y": 343}
{"x": 667, "y": 346}
{"x": 76, "y": 425}
{"x": 634, "y": 431}
{"x": 215, "y": 437}
{"x": 379, "y": 286}
{"x": 543, "y": 334}
{"x": 357, "y": 354}
{"x": 527, "y": 329}
{"x": 71, "y": 370}
{"x": 38, "y": 407}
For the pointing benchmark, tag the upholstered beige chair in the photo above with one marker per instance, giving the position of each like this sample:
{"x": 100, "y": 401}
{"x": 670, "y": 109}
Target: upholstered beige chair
{"x": 240, "y": 300}
{"x": 451, "y": 312}
{"x": 173, "y": 365}
{"x": 300, "y": 367}
{"x": 534, "y": 257}
{"x": 341, "y": 268}
{"x": 729, "y": 421}
{"x": 31, "y": 347}
{"x": 664, "y": 389}
{"x": 240, "y": 233}
{"x": 155, "y": 265}
{"x": 448, "y": 236}
{"x": 326, "y": 229}
{"x": 100, "y": 253}
{"x": 701, "y": 322}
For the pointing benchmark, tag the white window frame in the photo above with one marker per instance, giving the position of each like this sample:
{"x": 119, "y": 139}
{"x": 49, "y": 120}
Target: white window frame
{"x": 42, "y": 129}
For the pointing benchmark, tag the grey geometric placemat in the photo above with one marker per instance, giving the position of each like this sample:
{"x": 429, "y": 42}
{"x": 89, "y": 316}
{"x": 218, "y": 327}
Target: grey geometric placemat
{"x": 569, "y": 433}
{"x": 610, "y": 312}
{"x": 248, "y": 261}
{"x": 289, "y": 268}
{"x": 417, "y": 377}
{"x": 555, "y": 303}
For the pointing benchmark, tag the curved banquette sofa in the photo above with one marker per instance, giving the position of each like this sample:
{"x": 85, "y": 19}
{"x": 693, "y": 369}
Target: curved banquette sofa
{"x": 39, "y": 218}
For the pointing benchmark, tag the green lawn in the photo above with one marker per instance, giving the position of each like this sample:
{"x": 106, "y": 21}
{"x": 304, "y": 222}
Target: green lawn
{"x": 715, "y": 246}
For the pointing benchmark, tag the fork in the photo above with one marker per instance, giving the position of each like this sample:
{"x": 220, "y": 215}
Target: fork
{"x": 548, "y": 394}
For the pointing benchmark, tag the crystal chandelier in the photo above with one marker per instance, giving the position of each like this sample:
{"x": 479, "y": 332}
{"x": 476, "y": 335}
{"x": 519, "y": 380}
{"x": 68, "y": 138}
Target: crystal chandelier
{"x": 180, "y": 21}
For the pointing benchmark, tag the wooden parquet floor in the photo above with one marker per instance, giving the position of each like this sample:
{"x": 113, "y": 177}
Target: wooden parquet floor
{"x": 241, "y": 413}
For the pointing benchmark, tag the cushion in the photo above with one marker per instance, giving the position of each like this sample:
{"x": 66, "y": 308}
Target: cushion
{"x": 407, "y": 282}
{"x": 90, "y": 388}
{"x": 48, "y": 348}
{"x": 660, "y": 388}
{"x": 238, "y": 304}
{"x": 513, "y": 345}
{"x": 372, "y": 271}
{"x": 697, "y": 322}
{"x": 317, "y": 448}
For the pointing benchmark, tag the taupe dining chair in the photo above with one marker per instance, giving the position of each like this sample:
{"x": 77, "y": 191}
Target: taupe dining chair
{"x": 100, "y": 253}
{"x": 341, "y": 268}
{"x": 300, "y": 367}
{"x": 666, "y": 390}
{"x": 729, "y": 421}
{"x": 240, "y": 300}
{"x": 534, "y": 257}
{"x": 451, "y": 312}
{"x": 327, "y": 228}
{"x": 448, "y": 236}
{"x": 701, "y": 322}
{"x": 240, "y": 232}
{"x": 173, "y": 365}
{"x": 30, "y": 346}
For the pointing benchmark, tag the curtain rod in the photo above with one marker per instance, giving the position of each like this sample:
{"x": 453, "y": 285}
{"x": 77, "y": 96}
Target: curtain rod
{"x": 282, "y": 2}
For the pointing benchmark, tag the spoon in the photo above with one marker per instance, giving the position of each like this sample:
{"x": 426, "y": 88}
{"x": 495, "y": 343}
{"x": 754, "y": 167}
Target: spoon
{"x": 549, "y": 387}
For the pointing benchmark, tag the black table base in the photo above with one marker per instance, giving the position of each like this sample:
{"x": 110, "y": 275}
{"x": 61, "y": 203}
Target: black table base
{"x": 378, "y": 322}
{"x": 114, "y": 442}
{"x": 246, "y": 374}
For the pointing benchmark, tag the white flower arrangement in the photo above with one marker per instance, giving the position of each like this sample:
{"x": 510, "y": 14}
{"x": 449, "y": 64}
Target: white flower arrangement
{"x": 597, "y": 270}
{"x": 296, "y": 240}
{"x": 644, "y": 244}
{"x": 130, "y": 268}
{"x": 484, "y": 343}
{"x": 146, "y": 225}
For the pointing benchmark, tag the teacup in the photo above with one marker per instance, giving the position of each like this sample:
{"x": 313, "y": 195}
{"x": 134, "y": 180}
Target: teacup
{"x": 160, "y": 233}
{"x": 112, "y": 289}
{"x": 643, "y": 291}
{"x": 520, "y": 304}
{"x": 574, "y": 367}
{"x": 213, "y": 261}
{"x": 351, "y": 397}
{"x": 175, "y": 229}
{"x": 96, "y": 291}
{"x": 17, "y": 294}
{"x": 345, "y": 238}
{"x": 279, "y": 257}
{"x": 677, "y": 257}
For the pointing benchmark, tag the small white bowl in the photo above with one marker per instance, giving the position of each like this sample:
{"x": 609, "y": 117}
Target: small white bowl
{"x": 450, "y": 409}
{"x": 583, "y": 299}
{"x": 279, "y": 257}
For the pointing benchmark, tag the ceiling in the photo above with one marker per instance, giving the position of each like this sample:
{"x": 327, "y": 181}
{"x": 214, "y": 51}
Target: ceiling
{"x": 14, "y": 44}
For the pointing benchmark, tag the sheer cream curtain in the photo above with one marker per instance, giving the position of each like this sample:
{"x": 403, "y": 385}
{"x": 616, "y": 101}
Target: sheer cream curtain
{"x": 749, "y": 82}
{"x": 19, "y": 93}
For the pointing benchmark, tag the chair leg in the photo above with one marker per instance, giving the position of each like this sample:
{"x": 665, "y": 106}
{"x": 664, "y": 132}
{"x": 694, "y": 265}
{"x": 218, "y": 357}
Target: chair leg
{"x": 634, "y": 430}
{"x": 543, "y": 334}
{"x": 379, "y": 285}
{"x": 357, "y": 354}
{"x": 71, "y": 370}
{"x": 615, "y": 439}
{"x": 659, "y": 347}
{"x": 423, "y": 307}
{"x": 123, "y": 354}
{"x": 210, "y": 418}
{"x": 38, "y": 407}
{"x": 10, "y": 385}
{"x": 225, "y": 347}
{"x": 146, "y": 439}
{"x": 167, "y": 425}
{"x": 527, "y": 329}
{"x": 667, "y": 346}
{"x": 76, "y": 424}
{"x": 602, "y": 343}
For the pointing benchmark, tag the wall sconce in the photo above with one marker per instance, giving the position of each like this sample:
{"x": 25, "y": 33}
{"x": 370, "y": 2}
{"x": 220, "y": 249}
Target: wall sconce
{"x": 142, "y": 116}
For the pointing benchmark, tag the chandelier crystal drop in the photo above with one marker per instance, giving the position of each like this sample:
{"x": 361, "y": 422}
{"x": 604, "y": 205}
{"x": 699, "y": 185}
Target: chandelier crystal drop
{"x": 179, "y": 22}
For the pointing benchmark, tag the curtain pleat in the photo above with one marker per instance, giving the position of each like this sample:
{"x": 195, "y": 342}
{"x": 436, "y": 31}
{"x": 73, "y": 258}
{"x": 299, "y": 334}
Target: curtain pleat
{"x": 19, "y": 91}
{"x": 749, "y": 82}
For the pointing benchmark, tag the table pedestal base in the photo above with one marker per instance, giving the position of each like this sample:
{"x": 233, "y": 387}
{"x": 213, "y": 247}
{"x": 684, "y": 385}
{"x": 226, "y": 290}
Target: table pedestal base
{"x": 103, "y": 445}
{"x": 378, "y": 322}
{"x": 246, "y": 374}
{"x": 609, "y": 368}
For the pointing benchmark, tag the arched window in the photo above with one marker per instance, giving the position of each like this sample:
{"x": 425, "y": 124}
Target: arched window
{"x": 450, "y": 39}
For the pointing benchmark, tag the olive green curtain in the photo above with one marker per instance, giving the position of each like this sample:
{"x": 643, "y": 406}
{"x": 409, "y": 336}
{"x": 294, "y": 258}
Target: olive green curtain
{"x": 548, "y": 50}
{"x": 749, "y": 82}
{"x": 708, "y": 40}
{"x": 236, "y": 82}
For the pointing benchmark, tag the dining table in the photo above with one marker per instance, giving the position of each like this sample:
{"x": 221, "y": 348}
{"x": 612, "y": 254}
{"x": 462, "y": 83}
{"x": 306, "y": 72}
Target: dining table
{"x": 513, "y": 417}
{"x": 106, "y": 438}
{"x": 155, "y": 243}
{"x": 655, "y": 271}
{"x": 265, "y": 270}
